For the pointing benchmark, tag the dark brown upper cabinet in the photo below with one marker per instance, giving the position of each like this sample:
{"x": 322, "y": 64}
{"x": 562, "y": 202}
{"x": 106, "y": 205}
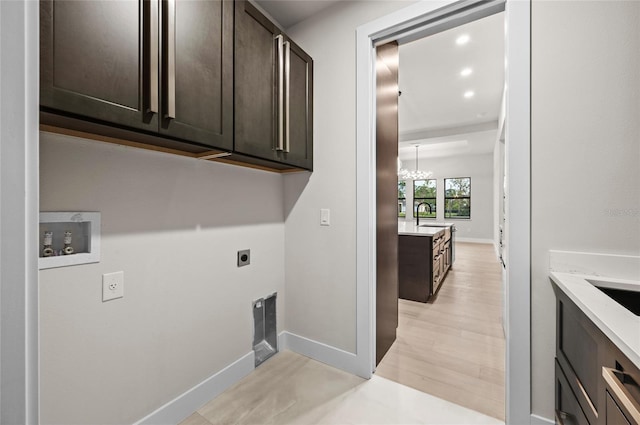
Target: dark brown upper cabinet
{"x": 165, "y": 67}
{"x": 273, "y": 92}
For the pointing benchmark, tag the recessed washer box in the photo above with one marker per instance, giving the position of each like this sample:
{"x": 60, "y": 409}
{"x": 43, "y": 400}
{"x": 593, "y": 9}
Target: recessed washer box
{"x": 82, "y": 243}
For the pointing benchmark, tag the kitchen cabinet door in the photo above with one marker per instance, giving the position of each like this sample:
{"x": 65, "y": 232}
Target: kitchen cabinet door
{"x": 95, "y": 56}
{"x": 298, "y": 142}
{"x": 273, "y": 92}
{"x": 255, "y": 83}
{"x": 197, "y": 71}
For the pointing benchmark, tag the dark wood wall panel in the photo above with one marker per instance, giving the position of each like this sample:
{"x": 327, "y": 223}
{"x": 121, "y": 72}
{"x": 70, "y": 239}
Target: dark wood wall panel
{"x": 386, "y": 197}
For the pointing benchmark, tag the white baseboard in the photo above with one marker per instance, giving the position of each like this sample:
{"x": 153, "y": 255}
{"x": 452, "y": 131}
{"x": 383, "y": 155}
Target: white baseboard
{"x": 539, "y": 420}
{"x": 185, "y": 404}
{"x": 191, "y": 400}
{"x": 474, "y": 240}
{"x": 324, "y": 353}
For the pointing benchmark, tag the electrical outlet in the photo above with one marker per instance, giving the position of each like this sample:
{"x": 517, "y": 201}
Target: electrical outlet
{"x": 112, "y": 286}
{"x": 244, "y": 257}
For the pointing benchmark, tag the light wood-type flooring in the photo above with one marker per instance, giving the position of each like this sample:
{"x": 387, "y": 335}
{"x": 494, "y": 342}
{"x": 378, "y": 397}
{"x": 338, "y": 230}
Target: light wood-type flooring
{"x": 454, "y": 347}
{"x": 293, "y": 389}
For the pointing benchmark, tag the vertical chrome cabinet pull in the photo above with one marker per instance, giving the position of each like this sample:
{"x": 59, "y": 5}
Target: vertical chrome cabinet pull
{"x": 617, "y": 387}
{"x": 171, "y": 59}
{"x": 153, "y": 57}
{"x": 280, "y": 47}
{"x": 287, "y": 79}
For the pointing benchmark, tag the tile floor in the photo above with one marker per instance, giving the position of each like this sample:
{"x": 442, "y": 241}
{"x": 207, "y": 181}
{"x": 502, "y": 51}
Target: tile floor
{"x": 293, "y": 389}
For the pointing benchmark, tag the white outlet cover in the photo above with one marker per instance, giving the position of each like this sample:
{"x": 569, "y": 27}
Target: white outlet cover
{"x": 112, "y": 286}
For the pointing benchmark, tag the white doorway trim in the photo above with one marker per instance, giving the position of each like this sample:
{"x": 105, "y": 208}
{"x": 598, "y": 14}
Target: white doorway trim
{"x": 518, "y": 80}
{"x": 19, "y": 106}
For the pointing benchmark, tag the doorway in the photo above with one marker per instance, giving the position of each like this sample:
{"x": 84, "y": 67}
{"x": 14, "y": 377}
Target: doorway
{"x": 413, "y": 23}
{"x": 450, "y": 340}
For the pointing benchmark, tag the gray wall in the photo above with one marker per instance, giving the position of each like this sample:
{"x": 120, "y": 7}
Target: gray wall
{"x": 585, "y": 150}
{"x": 480, "y": 168}
{"x": 173, "y": 225}
{"x": 320, "y": 261}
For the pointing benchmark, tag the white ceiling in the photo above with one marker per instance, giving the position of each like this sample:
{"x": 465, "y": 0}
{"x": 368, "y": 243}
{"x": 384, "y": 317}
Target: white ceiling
{"x": 290, "y": 12}
{"x": 432, "y": 109}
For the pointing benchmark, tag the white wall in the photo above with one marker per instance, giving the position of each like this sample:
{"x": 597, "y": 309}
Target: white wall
{"x": 173, "y": 225}
{"x": 480, "y": 168}
{"x": 585, "y": 150}
{"x": 320, "y": 261}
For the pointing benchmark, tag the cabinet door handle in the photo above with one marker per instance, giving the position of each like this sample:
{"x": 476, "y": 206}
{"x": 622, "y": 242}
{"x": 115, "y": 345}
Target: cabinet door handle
{"x": 287, "y": 79}
{"x": 614, "y": 382}
{"x": 171, "y": 59}
{"x": 564, "y": 418}
{"x": 153, "y": 57}
{"x": 280, "y": 48}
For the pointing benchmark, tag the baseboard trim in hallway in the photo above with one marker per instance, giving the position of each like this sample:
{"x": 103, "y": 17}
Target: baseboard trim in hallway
{"x": 323, "y": 353}
{"x": 292, "y": 389}
{"x": 539, "y": 420}
{"x": 185, "y": 404}
{"x": 191, "y": 400}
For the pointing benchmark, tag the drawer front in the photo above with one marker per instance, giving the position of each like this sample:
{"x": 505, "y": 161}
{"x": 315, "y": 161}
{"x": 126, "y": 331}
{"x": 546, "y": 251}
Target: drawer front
{"x": 614, "y": 414}
{"x": 578, "y": 353}
{"x": 568, "y": 410}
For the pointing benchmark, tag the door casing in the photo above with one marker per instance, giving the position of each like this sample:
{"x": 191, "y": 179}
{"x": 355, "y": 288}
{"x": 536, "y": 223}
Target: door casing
{"x": 410, "y": 22}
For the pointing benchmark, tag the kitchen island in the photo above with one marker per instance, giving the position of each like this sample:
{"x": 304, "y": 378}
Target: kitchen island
{"x": 424, "y": 257}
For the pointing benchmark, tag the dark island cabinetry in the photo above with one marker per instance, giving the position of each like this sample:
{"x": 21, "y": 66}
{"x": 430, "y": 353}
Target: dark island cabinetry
{"x": 423, "y": 262}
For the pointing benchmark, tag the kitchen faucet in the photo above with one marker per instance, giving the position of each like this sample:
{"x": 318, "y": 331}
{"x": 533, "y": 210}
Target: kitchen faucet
{"x": 418, "y": 211}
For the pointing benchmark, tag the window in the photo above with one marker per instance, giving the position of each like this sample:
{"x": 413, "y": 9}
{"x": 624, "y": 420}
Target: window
{"x": 424, "y": 194}
{"x": 402, "y": 199}
{"x": 457, "y": 197}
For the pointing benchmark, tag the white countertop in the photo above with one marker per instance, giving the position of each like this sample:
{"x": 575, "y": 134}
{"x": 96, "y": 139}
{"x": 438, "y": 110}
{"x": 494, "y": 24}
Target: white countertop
{"x": 620, "y": 325}
{"x": 410, "y": 228}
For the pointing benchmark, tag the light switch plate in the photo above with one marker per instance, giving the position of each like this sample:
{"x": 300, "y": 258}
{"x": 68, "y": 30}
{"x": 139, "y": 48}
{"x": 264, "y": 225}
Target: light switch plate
{"x": 325, "y": 217}
{"x": 112, "y": 286}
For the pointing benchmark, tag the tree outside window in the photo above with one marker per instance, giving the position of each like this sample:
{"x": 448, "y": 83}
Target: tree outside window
{"x": 402, "y": 199}
{"x": 457, "y": 197}
{"x": 424, "y": 191}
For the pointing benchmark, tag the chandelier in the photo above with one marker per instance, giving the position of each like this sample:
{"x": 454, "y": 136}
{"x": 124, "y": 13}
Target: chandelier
{"x": 404, "y": 174}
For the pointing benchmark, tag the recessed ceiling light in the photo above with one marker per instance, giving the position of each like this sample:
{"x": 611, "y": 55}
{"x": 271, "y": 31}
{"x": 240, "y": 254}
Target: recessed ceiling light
{"x": 463, "y": 39}
{"x": 469, "y": 94}
{"x": 466, "y": 72}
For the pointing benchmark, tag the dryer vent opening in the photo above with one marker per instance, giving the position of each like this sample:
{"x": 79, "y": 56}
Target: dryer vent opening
{"x": 265, "y": 336}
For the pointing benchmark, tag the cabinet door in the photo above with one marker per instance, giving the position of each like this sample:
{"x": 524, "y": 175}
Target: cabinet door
{"x": 299, "y": 115}
{"x": 255, "y": 83}
{"x": 94, "y": 56}
{"x": 197, "y": 52}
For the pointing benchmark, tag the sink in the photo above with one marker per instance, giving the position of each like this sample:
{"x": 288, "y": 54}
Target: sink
{"x": 625, "y": 293}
